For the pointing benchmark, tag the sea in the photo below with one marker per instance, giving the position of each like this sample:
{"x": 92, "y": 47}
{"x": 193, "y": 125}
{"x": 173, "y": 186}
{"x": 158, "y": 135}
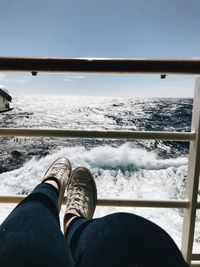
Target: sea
{"x": 139, "y": 169}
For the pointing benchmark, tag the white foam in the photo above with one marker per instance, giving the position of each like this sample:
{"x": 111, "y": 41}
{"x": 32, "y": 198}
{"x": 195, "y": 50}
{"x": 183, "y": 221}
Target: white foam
{"x": 127, "y": 157}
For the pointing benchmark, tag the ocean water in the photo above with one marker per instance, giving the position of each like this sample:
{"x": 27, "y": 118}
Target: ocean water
{"x": 122, "y": 169}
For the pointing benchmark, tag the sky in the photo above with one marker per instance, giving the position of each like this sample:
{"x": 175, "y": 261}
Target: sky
{"x": 106, "y": 28}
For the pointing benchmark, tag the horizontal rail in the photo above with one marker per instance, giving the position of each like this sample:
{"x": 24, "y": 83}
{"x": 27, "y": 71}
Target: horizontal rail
{"x": 147, "y": 203}
{"x": 176, "y": 136}
{"x": 172, "y": 203}
{"x": 101, "y": 65}
{"x": 196, "y": 257}
{"x": 195, "y": 264}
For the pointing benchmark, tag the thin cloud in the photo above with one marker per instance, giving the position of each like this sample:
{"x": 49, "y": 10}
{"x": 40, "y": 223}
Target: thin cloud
{"x": 4, "y": 78}
{"x": 73, "y": 78}
{"x": 19, "y": 80}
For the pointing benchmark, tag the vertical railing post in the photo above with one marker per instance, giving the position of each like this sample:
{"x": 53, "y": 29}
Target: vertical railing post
{"x": 192, "y": 179}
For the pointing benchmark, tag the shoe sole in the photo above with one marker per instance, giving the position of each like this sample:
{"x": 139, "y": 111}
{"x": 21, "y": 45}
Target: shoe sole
{"x": 61, "y": 189}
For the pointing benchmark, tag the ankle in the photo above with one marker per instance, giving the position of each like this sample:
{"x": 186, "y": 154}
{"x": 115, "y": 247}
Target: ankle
{"x": 68, "y": 219}
{"x": 53, "y": 183}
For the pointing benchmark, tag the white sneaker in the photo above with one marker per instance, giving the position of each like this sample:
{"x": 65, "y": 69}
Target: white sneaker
{"x": 60, "y": 172}
{"x": 81, "y": 194}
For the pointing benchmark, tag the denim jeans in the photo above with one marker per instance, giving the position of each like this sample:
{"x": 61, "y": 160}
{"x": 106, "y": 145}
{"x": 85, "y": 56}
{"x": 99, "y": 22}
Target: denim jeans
{"x": 31, "y": 236}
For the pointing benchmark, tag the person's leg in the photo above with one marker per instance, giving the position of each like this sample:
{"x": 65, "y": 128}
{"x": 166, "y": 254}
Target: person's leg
{"x": 120, "y": 239}
{"x": 31, "y": 235}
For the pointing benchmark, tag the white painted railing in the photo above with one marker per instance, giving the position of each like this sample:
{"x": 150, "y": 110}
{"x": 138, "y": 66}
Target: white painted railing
{"x": 190, "y": 204}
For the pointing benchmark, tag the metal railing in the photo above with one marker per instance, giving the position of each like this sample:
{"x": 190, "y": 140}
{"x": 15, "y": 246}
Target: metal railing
{"x": 127, "y": 66}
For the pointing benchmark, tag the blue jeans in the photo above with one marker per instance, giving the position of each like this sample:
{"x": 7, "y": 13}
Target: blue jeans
{"x": 31, "y": 236}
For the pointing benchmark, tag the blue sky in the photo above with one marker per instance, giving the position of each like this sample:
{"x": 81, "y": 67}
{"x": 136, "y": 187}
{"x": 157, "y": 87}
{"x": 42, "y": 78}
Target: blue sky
{"x": 106, "y": 28}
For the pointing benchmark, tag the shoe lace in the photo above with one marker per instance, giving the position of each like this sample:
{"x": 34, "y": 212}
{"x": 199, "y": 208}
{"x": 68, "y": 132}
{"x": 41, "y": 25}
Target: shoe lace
{"x": 57, "y": 171}
{"x": 78, "y": 197}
